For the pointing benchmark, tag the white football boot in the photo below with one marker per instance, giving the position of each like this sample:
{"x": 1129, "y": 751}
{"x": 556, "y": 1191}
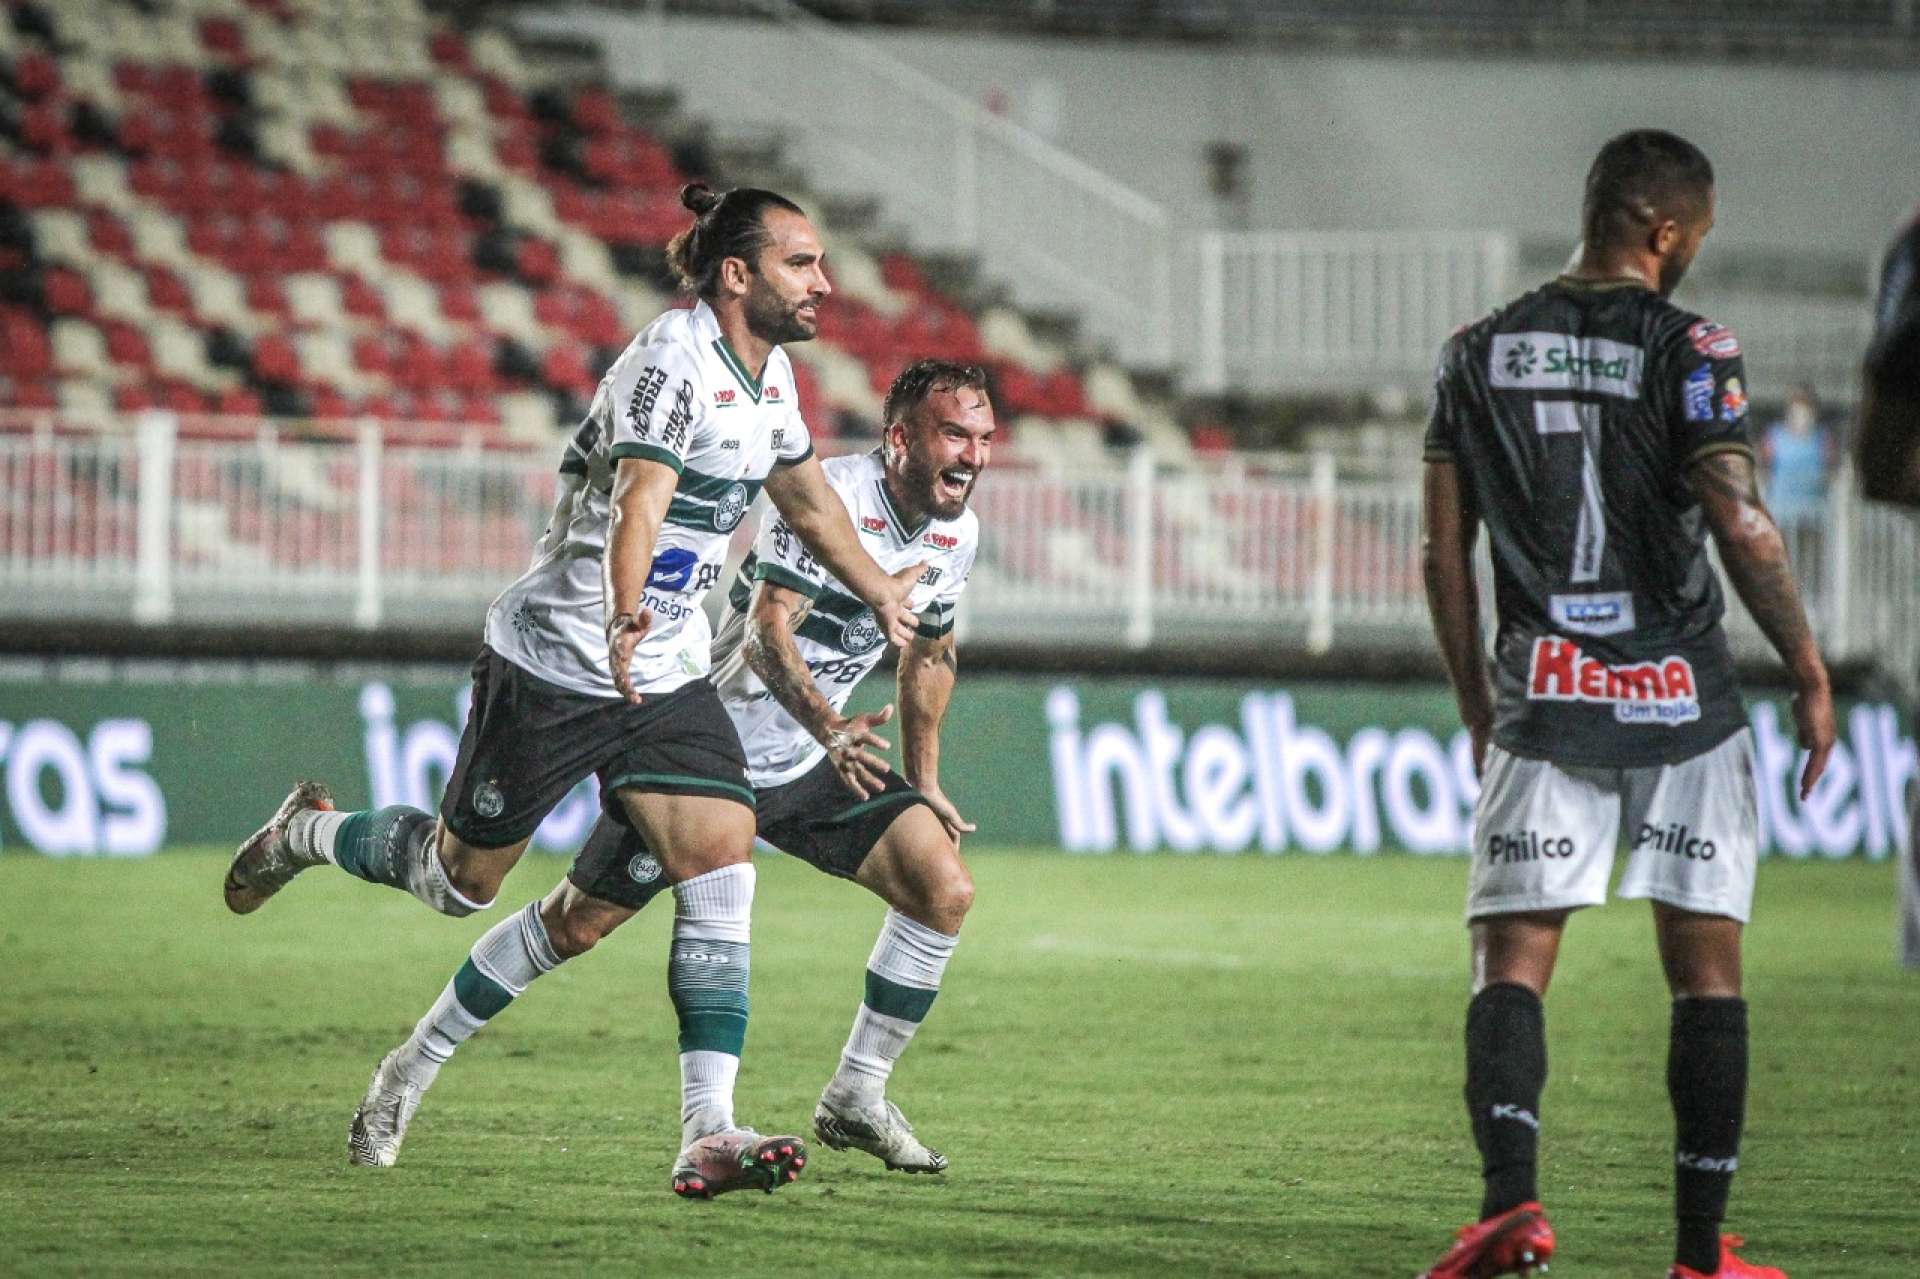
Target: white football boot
{"x": 379, "y": 1126}
{"x": 267, "y": 862}
{"x": 737, "y": 1159}
{"x": 877, "y": 1128}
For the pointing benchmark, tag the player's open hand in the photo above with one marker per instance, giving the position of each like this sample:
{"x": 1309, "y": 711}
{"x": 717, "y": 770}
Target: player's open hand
{"x": 624, "y": 633}
{"x": 850, "y": 744}
{"x": 1813, "y": 720}
{"x": 949, "y": 815}
{"x": 897, "y": 621}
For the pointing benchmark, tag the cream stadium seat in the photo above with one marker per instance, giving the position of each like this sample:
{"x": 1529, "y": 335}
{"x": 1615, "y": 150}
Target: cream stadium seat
{"x": 354, "y": 247}
{"x": 86, "y": 400}
{"x": 286, "y": 142}
{"x": 638, "y": 305}
{"x": 412, "y": 303}
{"x": 585, "y": 258}
{"x": 526, "y": 205}
{"x": 80, "y": 350}
{"x": 91, "y": 78}
{"x": 528, "y": 418}
{"x": 119, "y": 292}
{"x": 180, "y": 352}
{"x": 314, "y": 299}
{"x": 856, "y": 273}
{"x": 1004, "y": 333}
{"x": 459, "y": 101}
{"x": 327, "y": 357}
{"x": 220, "y": 298}
{"x": 843, "y": 379}
{"x": 159, "y": 239}
{"x": 102, "y": 180}
{"x": 470, "y": 153}
{"x": 492, "y": 51}
{"x": 508, "y": 309}
{"x": 60, "y": 235}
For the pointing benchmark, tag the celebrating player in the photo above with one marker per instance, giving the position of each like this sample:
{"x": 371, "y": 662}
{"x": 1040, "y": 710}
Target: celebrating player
{"x": 1889, "y": 462}
{"x": 792, "y": 647}
{"x": 595, "y": 662}
{"x": 1599, "y": 432}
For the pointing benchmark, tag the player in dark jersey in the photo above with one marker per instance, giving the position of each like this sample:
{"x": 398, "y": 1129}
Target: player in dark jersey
{"x": 1888, "y": 454}
{"x": 1600, "y": 433}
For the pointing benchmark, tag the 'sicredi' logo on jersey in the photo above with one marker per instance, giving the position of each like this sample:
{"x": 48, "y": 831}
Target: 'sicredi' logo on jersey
{"x": 1559, "y": 362}
{"x": 1661, "y": 692}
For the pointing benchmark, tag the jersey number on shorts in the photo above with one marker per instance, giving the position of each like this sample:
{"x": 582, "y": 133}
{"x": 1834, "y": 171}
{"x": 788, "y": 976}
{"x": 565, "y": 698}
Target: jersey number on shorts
{"x": 1579, "y": 425}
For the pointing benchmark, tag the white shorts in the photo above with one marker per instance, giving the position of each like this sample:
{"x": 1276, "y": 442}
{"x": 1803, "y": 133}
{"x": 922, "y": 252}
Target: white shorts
{"x": 1544, "y": 834}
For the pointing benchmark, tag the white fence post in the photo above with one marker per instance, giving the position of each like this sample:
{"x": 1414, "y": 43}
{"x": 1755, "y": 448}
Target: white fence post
{"x": 1320, "y": 605}
{"x": 1211, "y": 359}
{"x": 153, "y": 596}
{"x": 1140, "y": 548}
{"x": 366, "y": 611}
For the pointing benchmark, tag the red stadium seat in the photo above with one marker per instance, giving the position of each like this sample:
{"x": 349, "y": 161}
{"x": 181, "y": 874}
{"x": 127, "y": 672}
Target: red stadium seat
{"x": 65, "y": 292}
{"x": 126, "y": 344}
{"x": 166, "y": 291}
{"x": 275, "y": 360}
{"x": 25, "y": 349}
{"x": 107, "y": 234}
{"x": 35, "y": 75}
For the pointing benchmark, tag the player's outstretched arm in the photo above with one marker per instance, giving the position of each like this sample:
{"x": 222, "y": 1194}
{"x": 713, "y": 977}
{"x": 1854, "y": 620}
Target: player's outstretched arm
{"x": 641, "y": 491}
{"x": 1755, "y": 556}
{"x": 820, "y": 518}
{"x": 925, "y": 677}
{"x": 1448, "y": 527}
{"x": 770, "y": 653}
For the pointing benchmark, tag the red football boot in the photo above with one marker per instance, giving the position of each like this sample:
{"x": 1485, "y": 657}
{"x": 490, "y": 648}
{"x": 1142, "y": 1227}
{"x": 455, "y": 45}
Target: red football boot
{"x": 1731, "y": 1267}
{"x": 1518, "y": 1241}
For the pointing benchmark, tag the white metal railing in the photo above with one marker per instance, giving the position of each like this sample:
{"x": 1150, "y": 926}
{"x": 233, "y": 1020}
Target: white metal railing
{"x": 1303, "y": 310}
{"x": 357, "y": 530}
{"x": 1059, "y": 232}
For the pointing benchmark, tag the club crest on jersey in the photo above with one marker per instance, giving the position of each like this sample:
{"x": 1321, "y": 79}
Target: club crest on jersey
{"x": 1696, "y": 395}
{"x": 1715, "y": 341}
{"x": 1733, "y": 401}
{"x": 1661, "y": 692}
{"x": 730, "y": 509}
{"x": 942, "y": 541}
{"x": 488, "y": 801}
{"x": 860, "y": 635}
{"x": 1561, "y": 362}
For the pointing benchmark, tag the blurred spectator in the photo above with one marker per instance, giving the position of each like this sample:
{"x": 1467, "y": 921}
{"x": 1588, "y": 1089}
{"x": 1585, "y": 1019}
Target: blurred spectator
{"x": 1798, "y": 453}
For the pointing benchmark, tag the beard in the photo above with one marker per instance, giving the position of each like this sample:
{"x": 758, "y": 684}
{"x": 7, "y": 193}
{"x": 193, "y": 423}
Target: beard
{"x": 923, "y": 480}
{"x": 774, "y": 320}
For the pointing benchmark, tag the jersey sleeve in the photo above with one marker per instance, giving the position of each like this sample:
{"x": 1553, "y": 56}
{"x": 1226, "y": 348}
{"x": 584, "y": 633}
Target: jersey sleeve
{"x": 936, "y": 619}
{"x": 795, "y": 444}
{"x": 1700, "y": 390}
{"x": 1444, "y": 405}
{"x": 781, "y": 558}
{"x": 654, "y": 395}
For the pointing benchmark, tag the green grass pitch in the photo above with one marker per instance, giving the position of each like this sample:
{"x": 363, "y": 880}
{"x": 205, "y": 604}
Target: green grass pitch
{"x": 1151, "y": 1066}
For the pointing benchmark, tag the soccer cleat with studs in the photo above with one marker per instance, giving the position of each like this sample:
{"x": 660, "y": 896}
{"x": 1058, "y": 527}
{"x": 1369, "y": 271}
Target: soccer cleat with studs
{"x": 266, "y": 863}
{"x": 380, "y": 1124}
{"x": 737, "y": 1159}
{"x": 1518, "y": 1241}
{"x": 1731, "y": 1267}
{"x": 880, "y": 1130}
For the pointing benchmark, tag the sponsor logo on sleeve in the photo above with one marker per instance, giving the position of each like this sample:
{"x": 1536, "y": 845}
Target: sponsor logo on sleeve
{"x": 1656, "y": 692}
{"x": 1715, "y": 341}
{"x": 872, "y": 524}
{"x": 771, "y": 393}
{"x": 646, "y": 392}
{"x": 674, "y": 433}
{"x": 944, "y": 541}
{"x": 1560, "y": 362}
{"x": 1696, "y": 395}
{"x": 724, "y": 398}
{"x": 1733, "y": 401}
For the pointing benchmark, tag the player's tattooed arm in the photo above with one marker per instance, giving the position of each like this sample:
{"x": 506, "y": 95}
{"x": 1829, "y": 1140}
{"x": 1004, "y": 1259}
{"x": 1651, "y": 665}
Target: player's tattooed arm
{"x": 1755, "y": 556}
{"x": 926, "y": 674}
{"x": 1449, "y": 524}
{"x": 770, "y": 653}
{"x": 809, "y": 504}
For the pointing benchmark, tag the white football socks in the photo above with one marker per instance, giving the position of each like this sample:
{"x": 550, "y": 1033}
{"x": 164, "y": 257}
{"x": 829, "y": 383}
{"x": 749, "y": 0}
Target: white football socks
{"x": 903, "y": 975}
{"x": 502, "y": 964}
{"x": 717, "y": 909}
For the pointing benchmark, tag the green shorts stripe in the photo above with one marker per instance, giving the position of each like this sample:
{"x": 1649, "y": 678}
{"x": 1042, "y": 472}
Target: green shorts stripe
{"x": 670, "y": 781}
{"x": 891, "y": 797}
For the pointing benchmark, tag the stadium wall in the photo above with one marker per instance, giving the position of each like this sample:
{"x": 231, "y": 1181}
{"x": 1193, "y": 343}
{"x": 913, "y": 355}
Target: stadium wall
{"x": 1809, "y": 158}
{"x": 141, "y": 758}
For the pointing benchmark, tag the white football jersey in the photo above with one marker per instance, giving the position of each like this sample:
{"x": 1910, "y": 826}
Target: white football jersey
{"x": 839, "y": 638}
{"x": 680, "y": 396}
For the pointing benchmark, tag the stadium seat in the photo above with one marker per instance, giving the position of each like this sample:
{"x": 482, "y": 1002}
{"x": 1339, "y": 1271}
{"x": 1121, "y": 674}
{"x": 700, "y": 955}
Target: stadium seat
{"x": 79, "y": 350}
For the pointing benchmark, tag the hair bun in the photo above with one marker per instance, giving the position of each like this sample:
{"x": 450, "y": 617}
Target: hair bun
{"x": 699, "y": 197}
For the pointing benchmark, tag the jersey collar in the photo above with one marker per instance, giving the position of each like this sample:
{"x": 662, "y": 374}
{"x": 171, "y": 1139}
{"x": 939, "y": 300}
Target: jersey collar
{"x": 707, "y": 326}
{"x": 899, "y": 523}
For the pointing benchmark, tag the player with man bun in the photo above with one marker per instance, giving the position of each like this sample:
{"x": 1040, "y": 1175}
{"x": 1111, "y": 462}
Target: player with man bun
{"x": 595, "y": 662}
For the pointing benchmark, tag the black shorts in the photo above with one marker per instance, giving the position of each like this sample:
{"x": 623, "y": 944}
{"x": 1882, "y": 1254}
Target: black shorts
{"x": 529, "y": 742}
{"x": 814, "y": 817}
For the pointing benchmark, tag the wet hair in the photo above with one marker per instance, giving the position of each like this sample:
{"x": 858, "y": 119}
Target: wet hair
{"x": 923, "y": 378}
{"x": 731, "y": 224}
{"x": 1639, "y": 179}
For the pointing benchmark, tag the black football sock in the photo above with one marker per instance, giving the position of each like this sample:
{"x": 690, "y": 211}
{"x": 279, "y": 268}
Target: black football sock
{"x": 1506, "y": 1069}
{"x": 1707, "y": 1079}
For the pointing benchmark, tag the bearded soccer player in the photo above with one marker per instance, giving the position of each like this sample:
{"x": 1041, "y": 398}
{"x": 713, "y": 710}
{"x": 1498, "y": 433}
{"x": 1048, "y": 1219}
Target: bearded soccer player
{"x": 1600, "y": 433}
{"x": 1888, "y": 453}
{"x": 792, "y": 647}
{"x": 595, "y": 661}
